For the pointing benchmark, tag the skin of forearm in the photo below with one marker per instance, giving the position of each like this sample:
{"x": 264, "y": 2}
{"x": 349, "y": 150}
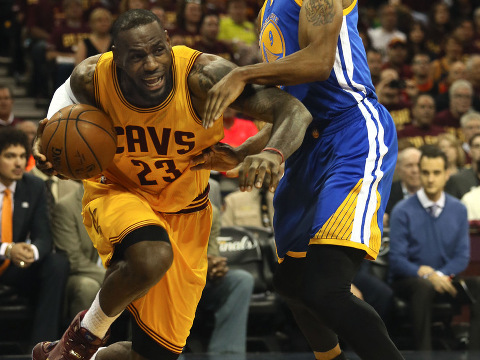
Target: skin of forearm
{"x": 301, "y": 67}
{"x": 256, "y": 143}
{"x": 287, "y": 135}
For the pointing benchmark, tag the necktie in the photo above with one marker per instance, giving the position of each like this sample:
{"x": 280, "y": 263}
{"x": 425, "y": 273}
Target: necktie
{"x": 7, "y": 224}
{"x": 432, "y": 210}
{"x": 50, "y": 197}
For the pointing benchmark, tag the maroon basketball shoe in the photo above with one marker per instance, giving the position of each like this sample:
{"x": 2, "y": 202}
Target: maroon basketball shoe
{"x": 77, "y": 343}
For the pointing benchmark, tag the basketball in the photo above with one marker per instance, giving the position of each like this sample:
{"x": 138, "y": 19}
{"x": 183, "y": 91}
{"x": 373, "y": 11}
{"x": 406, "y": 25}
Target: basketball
{"x": 80, "y": 141}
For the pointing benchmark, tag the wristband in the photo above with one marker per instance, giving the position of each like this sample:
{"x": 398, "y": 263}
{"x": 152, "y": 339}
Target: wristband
{"x": 275, "y": 151}
{"x": 8, "y": 251}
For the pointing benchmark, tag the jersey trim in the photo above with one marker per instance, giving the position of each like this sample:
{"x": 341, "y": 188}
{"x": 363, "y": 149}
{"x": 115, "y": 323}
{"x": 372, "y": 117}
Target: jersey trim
{"x": 349, "y": 9}
{"x": 145, "y": 110}
{"x": 192, "y": 60}
{"x": 173, "y": 348}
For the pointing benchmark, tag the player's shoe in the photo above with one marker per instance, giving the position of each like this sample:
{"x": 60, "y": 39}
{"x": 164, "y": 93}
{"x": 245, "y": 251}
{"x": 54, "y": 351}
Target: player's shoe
{"x": 77, "y": 343}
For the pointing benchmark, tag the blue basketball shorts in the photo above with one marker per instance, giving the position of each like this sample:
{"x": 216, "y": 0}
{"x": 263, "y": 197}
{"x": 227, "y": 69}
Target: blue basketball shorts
{"x": 336, "y": 185}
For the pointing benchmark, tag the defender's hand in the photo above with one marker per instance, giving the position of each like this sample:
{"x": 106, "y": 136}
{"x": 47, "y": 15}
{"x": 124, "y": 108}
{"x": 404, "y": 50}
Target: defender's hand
{"x": 220, "y": 96}
{"x": 40, "y": 159}
{"x": 256, "y": 169}
{"x": 219, "y": 157}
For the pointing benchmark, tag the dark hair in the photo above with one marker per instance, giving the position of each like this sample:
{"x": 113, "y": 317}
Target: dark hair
{"x": 11, "y": 136}
{"x": 131, "y": 19}
{"x": 433, "y": 152}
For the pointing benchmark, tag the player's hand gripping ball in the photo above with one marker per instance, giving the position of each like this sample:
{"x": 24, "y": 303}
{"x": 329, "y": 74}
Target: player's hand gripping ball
{"x": 80, "y": 141}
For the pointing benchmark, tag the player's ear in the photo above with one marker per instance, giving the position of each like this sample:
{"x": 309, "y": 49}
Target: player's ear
{"x": 167, "y": 38}
{"x": 116, "y": 58}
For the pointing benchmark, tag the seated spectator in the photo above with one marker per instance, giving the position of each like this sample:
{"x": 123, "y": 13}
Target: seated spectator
{"x": 470, "y": 125}
{"x": 374, "y": 60}
{"x": 417, "y": 41}
{"x": 100, "y": 39}
{"x": 390, "y": 92}
{"x": 238, "y": 32}
{"x": 473, "y": 74}
{"x": 209, "y": 42}
{"x": 64, "y": 39}
{"x": 227, "y": 293}
{"x": 464, "y": 32}
{"x": 382, "y": 35}
{"x": 6, "y": 108}
{"x": 249, "y": 208}
{"x": 439, "y": 26}
{"x": 187, "y": 29}
{"x": 456, "y": 72}
{"x": 466, "y": 179}
{"x": 461, "y": 95}
{"x": 30, "y": 129}
{"x": 430, "y": 245}
{"x": 56, "y": 188}
{"x": 450, "y": 145}
{"x": 472, "y": 203}
{"x": 422, "y": 74}
{"x": 397, "y": 58}
{"x": 409, "y": 179}
{"x": 421, "y": 131}
{"x": 40, "y": 19}
{"x": 453, "y": 53}
{"x": 27, "y": 262}
{"x": 70, "y": 236}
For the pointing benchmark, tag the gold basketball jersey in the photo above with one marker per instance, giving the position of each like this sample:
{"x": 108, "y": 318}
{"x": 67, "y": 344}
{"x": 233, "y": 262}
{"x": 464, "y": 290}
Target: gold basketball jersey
{"x": 155, "y": 145}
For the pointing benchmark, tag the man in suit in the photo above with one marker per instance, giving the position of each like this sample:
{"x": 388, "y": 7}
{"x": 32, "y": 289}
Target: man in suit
{"x": 409, "y": 182}
{"x": 56, "y": 188}
{"x": 27, "y": 262}
{"x": 70, "y": 236}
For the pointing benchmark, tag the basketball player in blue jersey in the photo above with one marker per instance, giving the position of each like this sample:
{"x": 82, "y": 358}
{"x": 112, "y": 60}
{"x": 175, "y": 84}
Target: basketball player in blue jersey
{"x": 330, "y": 203}
{"x": 148, "y": 215}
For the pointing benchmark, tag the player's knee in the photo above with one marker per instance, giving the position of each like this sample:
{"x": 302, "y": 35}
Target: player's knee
{"x": 148, "y": 263}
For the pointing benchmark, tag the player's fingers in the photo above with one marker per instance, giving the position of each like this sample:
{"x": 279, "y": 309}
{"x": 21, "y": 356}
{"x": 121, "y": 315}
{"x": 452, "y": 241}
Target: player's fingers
{"x": 209, "y": 106}
{"x": 251, "y": 175}
{"x": 274, "y": 180}
{"x": 199, "y": 159}
{"x": 242, "y": 173}
{"x": 260, "y": 177}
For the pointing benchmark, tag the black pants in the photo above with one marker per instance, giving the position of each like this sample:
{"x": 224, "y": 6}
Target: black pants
{"x": 421, "y": 295}
{"x": 44, "y": 283}
{"x": 317, "y": 289}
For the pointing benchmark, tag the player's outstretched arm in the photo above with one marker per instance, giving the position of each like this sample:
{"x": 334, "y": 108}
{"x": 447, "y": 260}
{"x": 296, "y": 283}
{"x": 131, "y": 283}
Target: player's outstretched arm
{"x": 319, "y": 27}
{"x": 287, "y": 114}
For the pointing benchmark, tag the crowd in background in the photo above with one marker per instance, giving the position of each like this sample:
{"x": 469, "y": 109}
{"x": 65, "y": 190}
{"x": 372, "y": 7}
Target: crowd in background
{"x": 424, "y": 59}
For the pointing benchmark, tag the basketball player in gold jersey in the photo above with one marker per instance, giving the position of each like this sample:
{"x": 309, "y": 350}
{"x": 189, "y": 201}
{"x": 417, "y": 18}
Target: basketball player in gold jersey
{"x": 148, "y": 215}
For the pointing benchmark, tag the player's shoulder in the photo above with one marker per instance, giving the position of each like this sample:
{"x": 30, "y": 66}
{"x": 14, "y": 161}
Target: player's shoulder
{"x": 81, "y": 80}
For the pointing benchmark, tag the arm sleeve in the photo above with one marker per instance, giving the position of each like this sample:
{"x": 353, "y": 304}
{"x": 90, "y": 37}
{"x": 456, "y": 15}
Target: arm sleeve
{"x": 63, "y": 97}
{"x": 400, "y": 265}
{"x": 460, "y": 259}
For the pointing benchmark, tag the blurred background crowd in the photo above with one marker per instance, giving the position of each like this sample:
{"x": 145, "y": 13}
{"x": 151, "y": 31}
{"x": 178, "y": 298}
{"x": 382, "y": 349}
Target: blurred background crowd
{"x": 424, "y": 59}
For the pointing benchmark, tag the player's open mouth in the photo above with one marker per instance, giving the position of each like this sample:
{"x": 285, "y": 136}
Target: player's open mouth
{"x": 154, "y": 82}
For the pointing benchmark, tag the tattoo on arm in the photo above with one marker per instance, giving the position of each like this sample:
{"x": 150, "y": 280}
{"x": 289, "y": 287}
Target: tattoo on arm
{"x": 208, "y": 75}
{"x": 319, "y": 12}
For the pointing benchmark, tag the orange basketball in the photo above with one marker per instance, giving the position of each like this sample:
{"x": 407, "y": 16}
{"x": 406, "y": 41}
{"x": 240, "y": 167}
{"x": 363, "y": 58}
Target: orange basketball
{"x": 80, "y": 141}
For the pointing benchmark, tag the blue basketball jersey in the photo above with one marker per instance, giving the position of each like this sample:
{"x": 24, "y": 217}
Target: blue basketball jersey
{"x": 349, "y": 82}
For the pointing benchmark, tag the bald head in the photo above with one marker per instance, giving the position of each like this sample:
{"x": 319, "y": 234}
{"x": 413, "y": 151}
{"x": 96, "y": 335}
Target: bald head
{"x": 407, "y": 166}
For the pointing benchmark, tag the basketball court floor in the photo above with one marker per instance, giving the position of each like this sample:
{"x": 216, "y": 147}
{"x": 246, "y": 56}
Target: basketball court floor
{"x": 409, "y": 355}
